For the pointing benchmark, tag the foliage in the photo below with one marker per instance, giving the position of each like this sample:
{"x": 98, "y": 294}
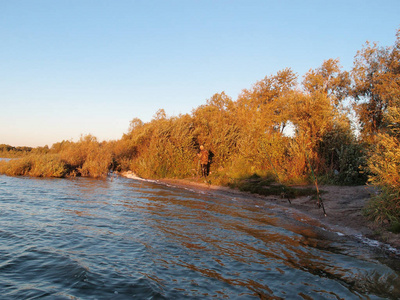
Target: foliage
{"x": 163, "y": 147}
{"x": 7, "y": 151}
{"x": 35, "y": 165}
{"x": 376, "y": 85}
{"x": 16, "y": 167}
{"x": 329, "y": 80}
{"x": 383, "y": 128}
{"x": 384, "y": 162}
{"x": 87, "y": 157}
{"x": 215, "y": 127}
{"x": 384, "y": 165}
{"x": 385, "y": 207}
{"x": 344, "y": 158}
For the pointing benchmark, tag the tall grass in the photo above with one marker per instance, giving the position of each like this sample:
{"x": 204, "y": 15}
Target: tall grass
{"x": 35, "y": 165}
{"x": 87, "y": 157}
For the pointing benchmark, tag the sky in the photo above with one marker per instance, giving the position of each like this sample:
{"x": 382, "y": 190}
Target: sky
{"x": 75, "y": 67}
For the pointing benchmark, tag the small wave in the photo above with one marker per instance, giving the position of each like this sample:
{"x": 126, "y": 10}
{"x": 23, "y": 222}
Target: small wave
{"x": 377, "y": 244}
{"x": 132, "y": 175}
{"x": 7, "y": 235}
{"x": 148, "y": 241}
{"x": 44, "y": 269}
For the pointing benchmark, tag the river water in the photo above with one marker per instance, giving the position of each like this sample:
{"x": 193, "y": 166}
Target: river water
{"x": 120, "y": 238}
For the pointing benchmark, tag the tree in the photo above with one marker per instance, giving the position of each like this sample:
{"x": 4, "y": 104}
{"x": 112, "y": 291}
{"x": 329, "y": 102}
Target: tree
{"x": 135, "y": 124}
{"x": 264, "y": 105}
{"x": 382, "y": 90}
{"x": 329, "y": 80}
{"x": 376, "y": 76}
{"x": 160, "y": 115}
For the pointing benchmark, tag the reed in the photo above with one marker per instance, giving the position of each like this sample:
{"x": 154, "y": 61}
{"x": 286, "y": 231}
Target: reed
{"x": 35, "y": 165}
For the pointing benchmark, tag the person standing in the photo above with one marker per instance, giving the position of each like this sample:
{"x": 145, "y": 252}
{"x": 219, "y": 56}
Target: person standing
{"x": 204, "y": 160}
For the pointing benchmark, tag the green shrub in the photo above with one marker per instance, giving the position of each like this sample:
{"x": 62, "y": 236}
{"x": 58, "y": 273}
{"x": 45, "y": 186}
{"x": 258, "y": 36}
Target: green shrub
{"x": 395, "y": 227}
{"x": 384, "y": 207}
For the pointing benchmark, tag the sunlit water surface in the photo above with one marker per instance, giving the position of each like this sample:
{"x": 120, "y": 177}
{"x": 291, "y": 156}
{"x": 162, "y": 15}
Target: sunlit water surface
{"x": 120, "y": 238}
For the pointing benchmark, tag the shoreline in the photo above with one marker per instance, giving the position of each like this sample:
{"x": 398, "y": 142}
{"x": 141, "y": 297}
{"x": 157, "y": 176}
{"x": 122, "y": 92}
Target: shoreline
{"x": 343, "y": 205}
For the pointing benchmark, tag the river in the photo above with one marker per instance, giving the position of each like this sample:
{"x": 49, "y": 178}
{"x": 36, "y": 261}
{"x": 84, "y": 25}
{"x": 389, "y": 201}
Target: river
{"x": 120, "y": 238}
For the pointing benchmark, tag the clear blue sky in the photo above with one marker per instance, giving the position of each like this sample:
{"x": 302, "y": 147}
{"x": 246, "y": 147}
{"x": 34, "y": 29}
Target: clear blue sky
{"x": 72, "y": 67}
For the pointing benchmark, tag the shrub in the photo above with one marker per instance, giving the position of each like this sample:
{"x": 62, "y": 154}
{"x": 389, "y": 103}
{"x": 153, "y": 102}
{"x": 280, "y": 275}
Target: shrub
{"x": 384, "y": 207}
{"x": 384, "y": 165}
{"x": 384, "y": 162}
{"x": 16, "y": 167}
{"x": 35, "y": 165}
{"x": 47, "y": 166}
{"x": 97, "y": 163}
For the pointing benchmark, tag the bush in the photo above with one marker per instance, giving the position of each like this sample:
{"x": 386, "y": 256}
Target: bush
{"x": 97, "y": 163}
{"x": 384, "y": 162}
{"x": 350, "y": 167}
{"x": 47, "y": 166}
{"x": 16, "y": 167}
{"x": 35, "y": 165}
{"x": 384, "y": 207}
{"x": 384, "y": 165}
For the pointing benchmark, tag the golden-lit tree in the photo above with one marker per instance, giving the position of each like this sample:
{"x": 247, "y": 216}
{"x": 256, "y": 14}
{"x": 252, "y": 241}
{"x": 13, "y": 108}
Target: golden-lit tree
{"x": 328, "y": 80}
{"x": 385, "y": 87}
{"x": 216, "y": 128}
{"x": 377, "y": 73}
{"x": 264, "y": 104}
{"x": 376, "y": 84}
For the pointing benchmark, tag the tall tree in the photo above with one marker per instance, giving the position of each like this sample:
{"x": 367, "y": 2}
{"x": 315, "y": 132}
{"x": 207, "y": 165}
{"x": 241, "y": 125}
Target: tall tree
{"x": 376, "y": 84}
{"x": 329, "y": 80}
{"x": 264, "y": 103}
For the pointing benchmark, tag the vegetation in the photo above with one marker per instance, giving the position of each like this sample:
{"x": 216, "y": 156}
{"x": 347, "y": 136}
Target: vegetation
{"x": 278, "y": 126}
{"x": 8, "y": 151}
{"x": 267, "y": 186}
{"x": 377, "y": 77}
{"x": 87, "y": 157}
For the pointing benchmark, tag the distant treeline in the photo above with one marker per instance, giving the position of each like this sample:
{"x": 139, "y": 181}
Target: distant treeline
{"x": 7, "y": 151}
{"x": 10, "y": 151}
{"x": 342, "y": 125}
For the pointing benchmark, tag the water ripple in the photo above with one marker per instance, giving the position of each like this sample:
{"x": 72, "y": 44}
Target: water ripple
{"x": 121, "y": 239}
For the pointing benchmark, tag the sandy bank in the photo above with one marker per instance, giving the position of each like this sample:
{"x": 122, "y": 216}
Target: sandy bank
{"x": 343, "y": 206}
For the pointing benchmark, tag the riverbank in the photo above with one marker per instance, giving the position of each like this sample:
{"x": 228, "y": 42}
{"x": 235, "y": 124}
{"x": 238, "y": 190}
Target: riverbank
{"x": 343, "y": 206}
